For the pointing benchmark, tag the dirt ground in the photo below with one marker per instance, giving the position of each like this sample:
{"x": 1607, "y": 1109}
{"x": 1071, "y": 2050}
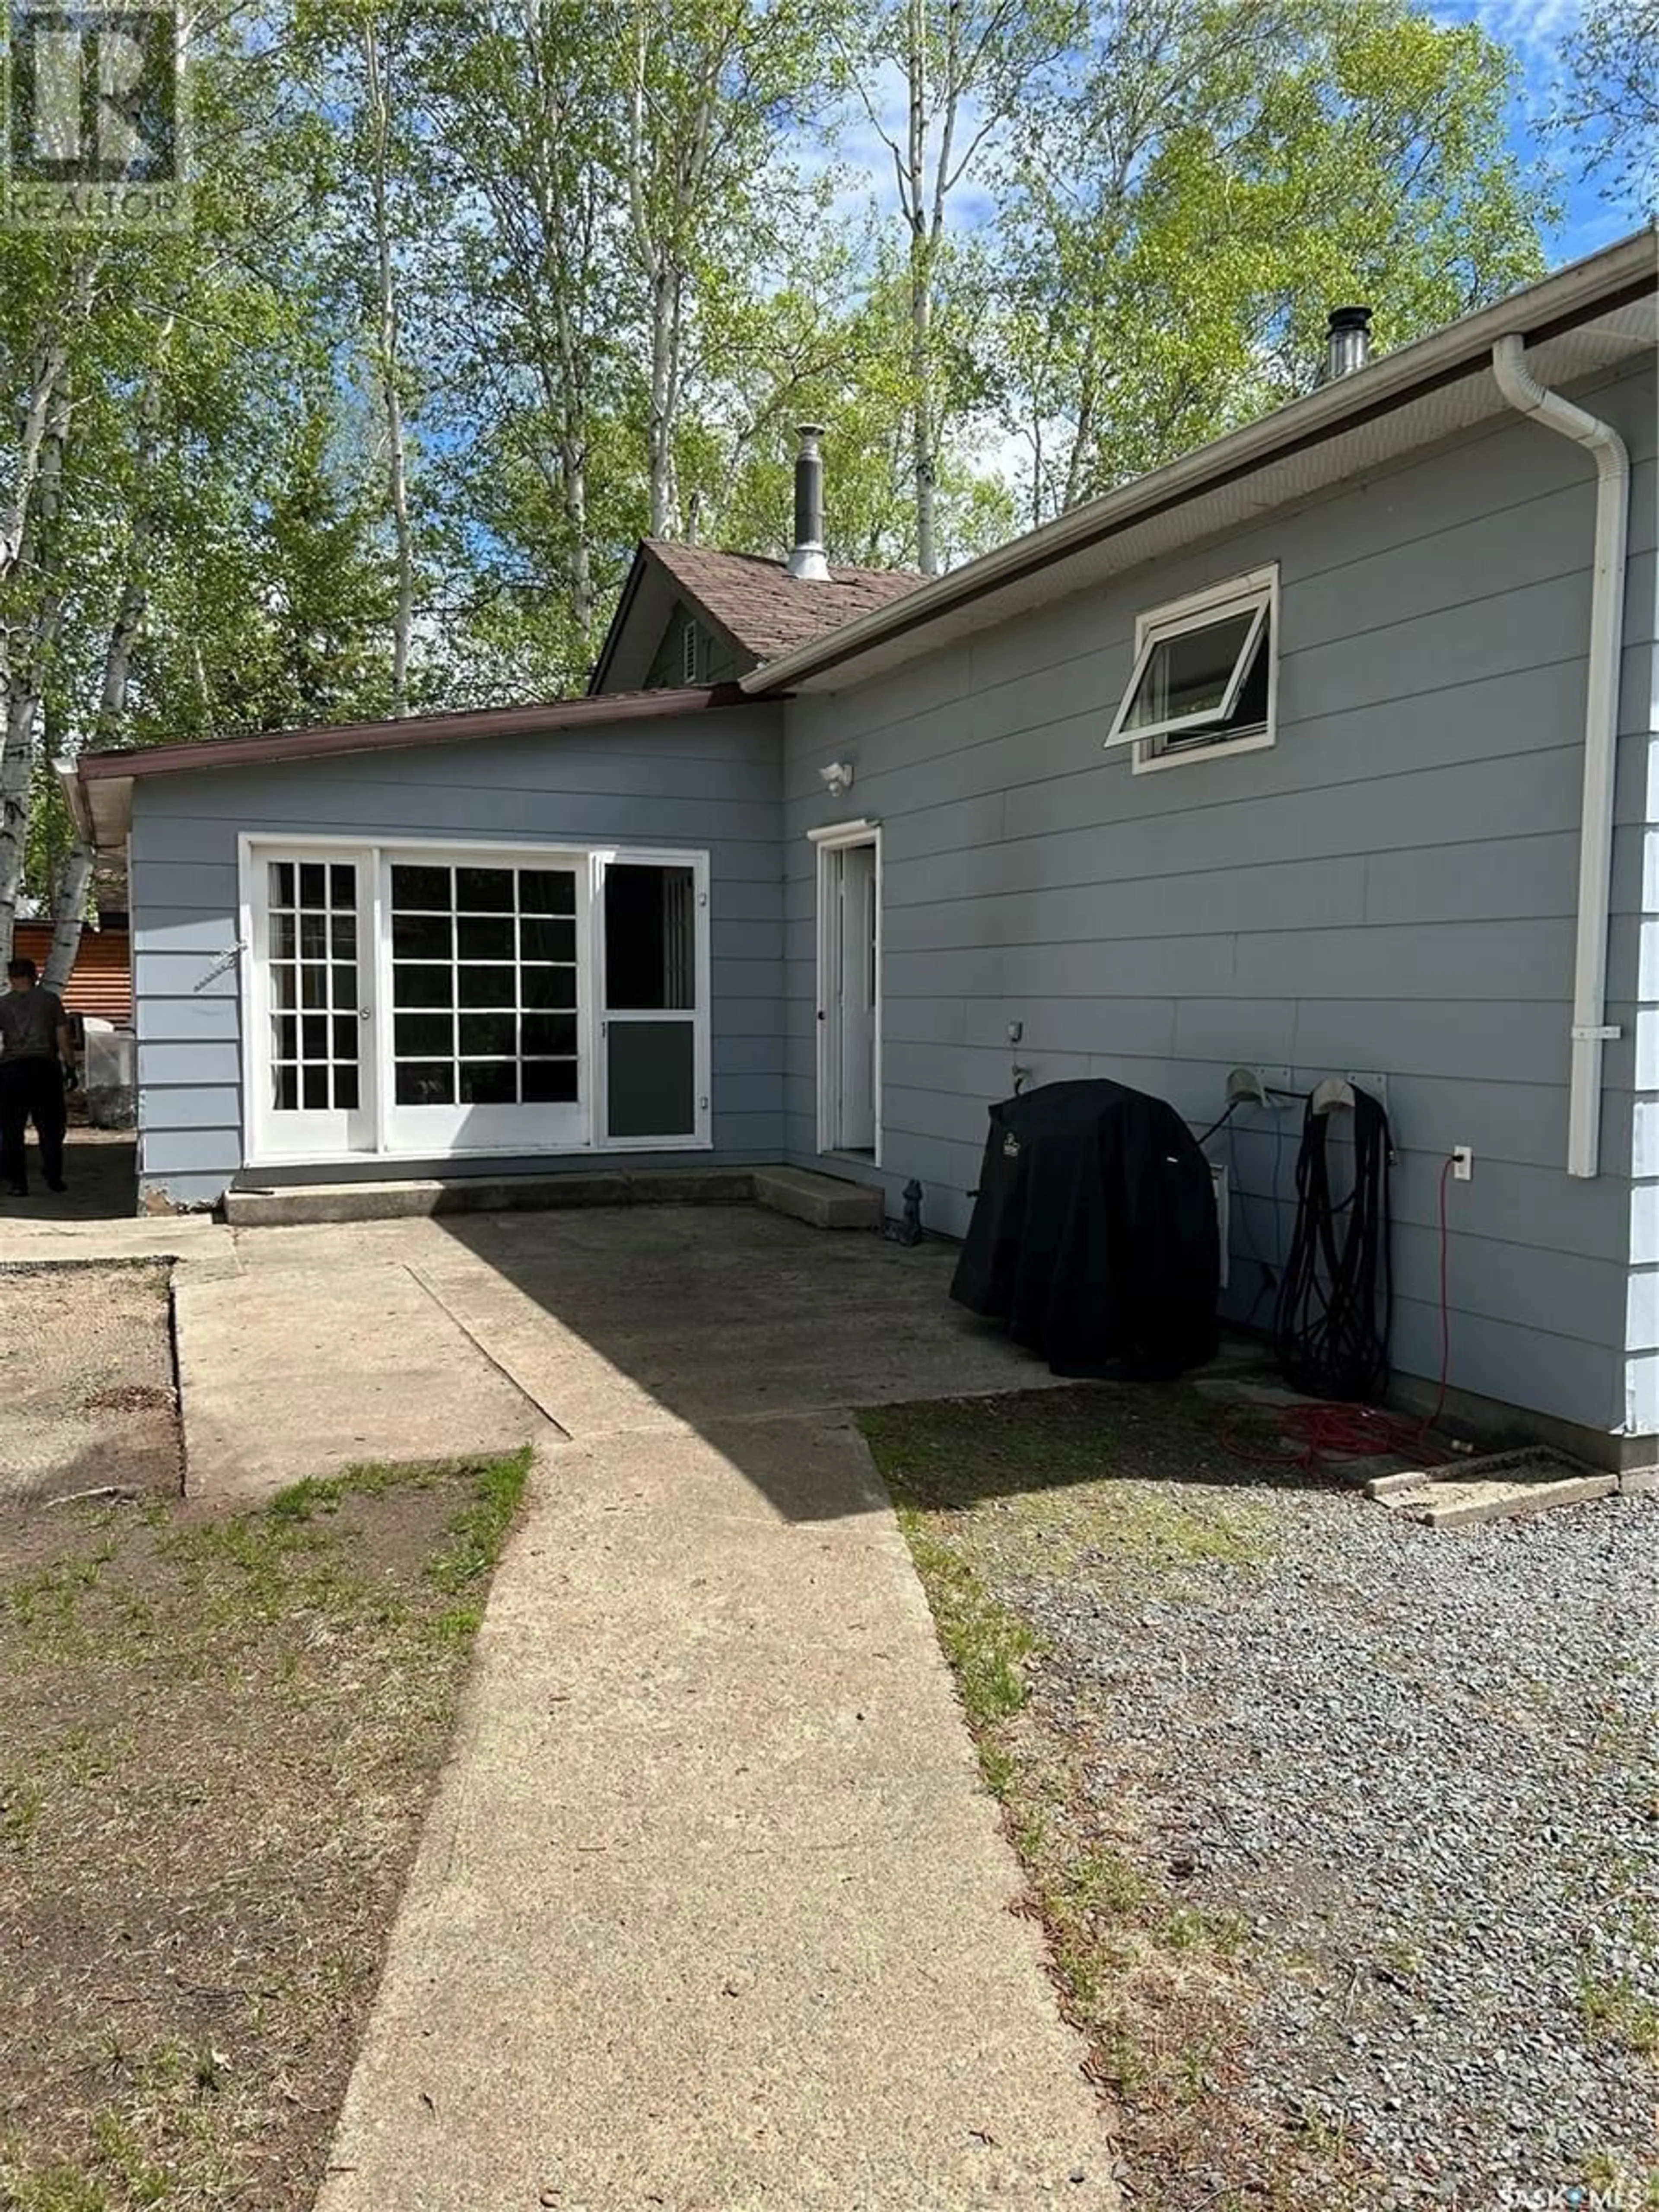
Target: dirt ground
{"x": 88, "y": 1400}
{"x": 221, "y": 1738}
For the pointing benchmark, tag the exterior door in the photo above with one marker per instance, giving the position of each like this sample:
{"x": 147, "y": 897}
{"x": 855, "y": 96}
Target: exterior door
{"x": 654, "y": 1028}
{"x": 485, "y": 962}
{"x": 858, "y": 999}
{"x": 312, "y": 1004}
{"x": 849, "y": 992}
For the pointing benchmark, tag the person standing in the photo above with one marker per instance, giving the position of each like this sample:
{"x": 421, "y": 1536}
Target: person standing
{"x": 37, "y": 1054}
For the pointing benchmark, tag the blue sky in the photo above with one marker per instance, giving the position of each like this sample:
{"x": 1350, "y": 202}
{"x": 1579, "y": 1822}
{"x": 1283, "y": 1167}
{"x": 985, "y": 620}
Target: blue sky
{"x": 1535, "y": 31}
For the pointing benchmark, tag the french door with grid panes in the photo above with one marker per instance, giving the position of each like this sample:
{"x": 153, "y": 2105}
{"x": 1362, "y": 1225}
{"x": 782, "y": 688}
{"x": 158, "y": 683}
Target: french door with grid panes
{"x": 312, "y": 1008}
{"x": 483, "y": 974}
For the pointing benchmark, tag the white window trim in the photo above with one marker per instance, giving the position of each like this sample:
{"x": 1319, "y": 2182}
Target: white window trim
{"x": 252, "y": 844}
{"x": 836, "y": 837}
{"x": 1150, "y": 747}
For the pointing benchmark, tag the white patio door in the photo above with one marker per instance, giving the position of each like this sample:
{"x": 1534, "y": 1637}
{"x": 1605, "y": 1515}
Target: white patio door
{"x": 430, "y": 1000}
{"x": 653, "y": 961}
{"x": 311, "y": 924}
{"x": 485, "y": 963}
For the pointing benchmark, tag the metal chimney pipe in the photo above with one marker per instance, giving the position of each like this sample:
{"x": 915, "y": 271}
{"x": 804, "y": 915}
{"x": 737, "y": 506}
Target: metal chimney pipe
{"x": 807, "y": 561}
{"x": 1347, "y": 342}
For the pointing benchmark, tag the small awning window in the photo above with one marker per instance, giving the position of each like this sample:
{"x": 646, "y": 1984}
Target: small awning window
{"x": 1192, "y": 661}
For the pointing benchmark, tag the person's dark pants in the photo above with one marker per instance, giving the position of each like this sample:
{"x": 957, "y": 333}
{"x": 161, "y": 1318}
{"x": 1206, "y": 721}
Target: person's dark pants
{"x": 31, "y": 1090}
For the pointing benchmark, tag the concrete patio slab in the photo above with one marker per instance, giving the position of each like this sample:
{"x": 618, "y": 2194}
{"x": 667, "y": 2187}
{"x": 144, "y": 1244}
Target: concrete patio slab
{"x": 671, "y": 1318}
{"x": 30, "y": 1239}
{"x": 711, "y": 1910}
{"x": 283, "y": 1375}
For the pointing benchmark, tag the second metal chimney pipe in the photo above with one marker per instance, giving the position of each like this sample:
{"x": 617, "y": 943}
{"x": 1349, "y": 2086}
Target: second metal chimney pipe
{"x": 1347, "y": 342}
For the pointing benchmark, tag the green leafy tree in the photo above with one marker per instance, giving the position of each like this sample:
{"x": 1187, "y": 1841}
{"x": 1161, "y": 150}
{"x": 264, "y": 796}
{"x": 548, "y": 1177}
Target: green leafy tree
{"x": 1213, "y": 179}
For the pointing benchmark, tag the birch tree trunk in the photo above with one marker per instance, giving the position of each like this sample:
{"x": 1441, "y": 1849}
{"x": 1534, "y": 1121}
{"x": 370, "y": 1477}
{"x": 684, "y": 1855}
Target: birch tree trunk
{"x": 655, "y": 266}
{"x": 554, "y": 259}
{"x": 38, "y": 566}
{"x": 388, "y": 367}
{"x": 68, "y": 908}
{"x": 924, "y": 459}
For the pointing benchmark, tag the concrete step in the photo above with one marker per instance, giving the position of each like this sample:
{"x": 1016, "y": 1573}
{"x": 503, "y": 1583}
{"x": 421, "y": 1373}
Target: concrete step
{"x": 293, "y": 1205}
{"x": 823, "y": 1201}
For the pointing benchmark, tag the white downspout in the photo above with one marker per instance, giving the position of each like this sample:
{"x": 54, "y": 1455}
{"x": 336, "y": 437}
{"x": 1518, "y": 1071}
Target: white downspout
{"x": 1590, "y": 1030}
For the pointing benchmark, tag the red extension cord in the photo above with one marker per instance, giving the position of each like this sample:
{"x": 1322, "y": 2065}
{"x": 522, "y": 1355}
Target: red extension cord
{"x": 1310, "y": 1434}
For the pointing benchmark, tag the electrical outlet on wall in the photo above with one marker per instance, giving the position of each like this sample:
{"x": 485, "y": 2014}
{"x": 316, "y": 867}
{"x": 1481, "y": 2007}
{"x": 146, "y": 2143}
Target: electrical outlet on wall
{"x": 1463, "y": 1163}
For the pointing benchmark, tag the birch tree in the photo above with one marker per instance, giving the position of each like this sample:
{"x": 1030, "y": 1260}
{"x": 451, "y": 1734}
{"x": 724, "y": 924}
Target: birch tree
{"x": 967, "y": 68}
{"x": 714, "y": 90}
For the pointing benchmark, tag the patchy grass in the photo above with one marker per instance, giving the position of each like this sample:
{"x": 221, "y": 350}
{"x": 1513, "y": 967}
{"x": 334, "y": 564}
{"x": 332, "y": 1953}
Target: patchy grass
{"x": 1053, "y": 1479}
{"x": 222, "y": 1734}
{"x": 1616, "y": 2012}
{"x": 1124, "y": 1493}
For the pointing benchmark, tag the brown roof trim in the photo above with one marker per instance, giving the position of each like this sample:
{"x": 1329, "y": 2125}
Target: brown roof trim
{"x": 414, "y": 730}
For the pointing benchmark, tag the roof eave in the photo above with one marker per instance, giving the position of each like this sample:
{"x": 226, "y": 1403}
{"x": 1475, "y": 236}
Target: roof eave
{"x": 327, "y": 739}
{"x": 1557, "y": 301}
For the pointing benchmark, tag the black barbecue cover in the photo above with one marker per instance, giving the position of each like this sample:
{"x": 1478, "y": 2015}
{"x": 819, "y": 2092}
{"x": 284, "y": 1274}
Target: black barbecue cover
{"x": 1093, "y": 1235}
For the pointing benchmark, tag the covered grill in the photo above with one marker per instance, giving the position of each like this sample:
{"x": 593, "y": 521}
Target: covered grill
{"x": 1093, "y": 1235}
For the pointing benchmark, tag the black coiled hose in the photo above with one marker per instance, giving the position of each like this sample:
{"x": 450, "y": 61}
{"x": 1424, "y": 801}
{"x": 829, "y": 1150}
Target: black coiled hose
{"x": 1335, "y": 1308}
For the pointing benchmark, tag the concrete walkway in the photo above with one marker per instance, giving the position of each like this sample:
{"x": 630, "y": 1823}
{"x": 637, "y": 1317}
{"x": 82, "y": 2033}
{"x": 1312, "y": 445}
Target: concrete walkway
{"x": 712, "y": 1911}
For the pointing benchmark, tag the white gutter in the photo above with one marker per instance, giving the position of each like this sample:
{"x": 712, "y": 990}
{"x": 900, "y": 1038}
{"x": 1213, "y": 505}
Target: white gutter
{"x": 1590, "y": 1030}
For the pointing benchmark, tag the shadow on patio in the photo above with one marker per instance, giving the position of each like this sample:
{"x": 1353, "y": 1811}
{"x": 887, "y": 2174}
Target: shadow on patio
{"x": 721, "y": 1320}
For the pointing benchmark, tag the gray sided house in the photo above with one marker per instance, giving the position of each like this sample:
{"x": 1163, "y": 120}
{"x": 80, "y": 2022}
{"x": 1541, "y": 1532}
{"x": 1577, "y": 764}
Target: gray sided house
{"x": 1328, "y": 750}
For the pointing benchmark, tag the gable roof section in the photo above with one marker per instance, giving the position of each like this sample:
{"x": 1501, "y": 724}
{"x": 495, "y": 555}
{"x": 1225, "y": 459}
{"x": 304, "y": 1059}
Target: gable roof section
{"x": 753, "y": 603}
{"x": 1591, "y": 317}
{"x": 765, "y": 610}
{"x": 99, "y": 784}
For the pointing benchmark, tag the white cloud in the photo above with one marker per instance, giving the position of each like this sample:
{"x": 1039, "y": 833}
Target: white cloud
{"x": 1533, "y": 30}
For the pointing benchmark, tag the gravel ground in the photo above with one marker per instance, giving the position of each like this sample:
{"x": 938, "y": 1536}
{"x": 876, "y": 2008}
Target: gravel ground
{"x": 1423, "y": 1765}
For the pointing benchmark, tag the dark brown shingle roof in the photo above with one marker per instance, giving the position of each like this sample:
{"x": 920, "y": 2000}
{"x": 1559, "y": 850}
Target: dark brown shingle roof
{"x": 765, "y": 609}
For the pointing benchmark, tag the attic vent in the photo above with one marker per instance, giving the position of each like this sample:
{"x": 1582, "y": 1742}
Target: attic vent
{"x": 689, "y": 656}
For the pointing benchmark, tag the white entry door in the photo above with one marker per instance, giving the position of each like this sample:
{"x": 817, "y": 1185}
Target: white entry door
{"x": 312, "y": 1003}
{"x": 849, "y": 991}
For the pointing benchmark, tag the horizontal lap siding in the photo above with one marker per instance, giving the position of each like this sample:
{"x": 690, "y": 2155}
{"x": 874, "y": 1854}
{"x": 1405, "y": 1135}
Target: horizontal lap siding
{"x": 1390, "y": 888}
{"x": 712, "y": 784}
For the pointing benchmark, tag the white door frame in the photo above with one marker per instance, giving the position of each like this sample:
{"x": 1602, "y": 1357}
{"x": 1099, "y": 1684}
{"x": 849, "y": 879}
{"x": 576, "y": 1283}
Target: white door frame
{"x": 254, "y": 847}
{"x": 829, "y": 843}
{"x": 601, "y": 859}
